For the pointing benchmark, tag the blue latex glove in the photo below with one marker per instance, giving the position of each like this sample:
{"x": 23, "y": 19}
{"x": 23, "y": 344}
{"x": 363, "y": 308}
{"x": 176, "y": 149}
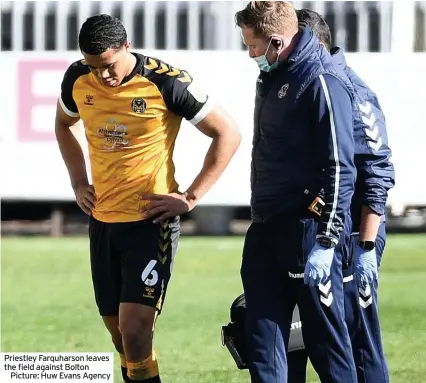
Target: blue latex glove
{"x": 317, "y": 269}
{"x": 366, "y": 266}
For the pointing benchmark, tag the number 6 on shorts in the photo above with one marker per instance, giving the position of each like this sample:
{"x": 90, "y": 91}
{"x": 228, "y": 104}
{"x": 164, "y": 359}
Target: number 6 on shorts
{"x": 149, "y": 275}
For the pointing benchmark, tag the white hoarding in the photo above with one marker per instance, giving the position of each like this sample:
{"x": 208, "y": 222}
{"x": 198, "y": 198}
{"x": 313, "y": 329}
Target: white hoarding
{"x": 32, "y": 167}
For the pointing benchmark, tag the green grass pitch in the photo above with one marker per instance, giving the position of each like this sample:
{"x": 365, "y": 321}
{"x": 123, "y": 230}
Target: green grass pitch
{"x": 47, "y": 305}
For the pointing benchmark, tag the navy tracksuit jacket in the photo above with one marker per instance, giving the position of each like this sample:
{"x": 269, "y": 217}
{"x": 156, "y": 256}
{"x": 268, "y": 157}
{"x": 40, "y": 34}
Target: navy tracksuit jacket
{"x": 302, "y": 145}
{"x": 375, "y": 177}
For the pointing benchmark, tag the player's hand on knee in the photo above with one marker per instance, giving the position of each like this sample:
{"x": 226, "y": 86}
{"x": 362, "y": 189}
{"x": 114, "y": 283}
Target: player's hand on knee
{"x": 85, "y": 197}
{"x": 318, "y": 265}
{"x": 366, "y": 266}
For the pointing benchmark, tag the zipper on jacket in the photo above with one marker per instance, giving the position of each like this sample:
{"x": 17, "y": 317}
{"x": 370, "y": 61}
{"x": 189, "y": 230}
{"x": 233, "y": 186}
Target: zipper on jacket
{"x": 258, "y": 140}
{"x": 268, "y": 89}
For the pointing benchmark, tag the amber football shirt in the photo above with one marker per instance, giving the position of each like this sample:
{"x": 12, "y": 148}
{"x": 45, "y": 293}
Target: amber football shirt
{"x": 131, "y": 131}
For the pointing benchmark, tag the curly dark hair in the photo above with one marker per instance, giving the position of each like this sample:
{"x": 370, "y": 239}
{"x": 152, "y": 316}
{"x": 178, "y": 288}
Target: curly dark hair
{"x": 100, "y": 32}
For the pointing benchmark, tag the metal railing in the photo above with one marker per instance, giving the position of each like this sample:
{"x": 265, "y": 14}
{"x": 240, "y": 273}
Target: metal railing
{"x": 53, "y": 25}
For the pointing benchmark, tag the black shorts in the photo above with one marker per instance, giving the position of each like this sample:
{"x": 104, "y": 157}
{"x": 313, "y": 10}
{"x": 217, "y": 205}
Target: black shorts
{"x": 131, "y": 262}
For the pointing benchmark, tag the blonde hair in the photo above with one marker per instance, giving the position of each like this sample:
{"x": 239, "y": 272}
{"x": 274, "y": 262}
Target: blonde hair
{"x": 268, "y": 17}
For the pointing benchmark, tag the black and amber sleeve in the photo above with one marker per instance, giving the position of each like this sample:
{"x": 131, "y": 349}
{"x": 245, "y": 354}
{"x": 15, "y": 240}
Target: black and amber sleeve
{"x": 66, "y": 99}
{"x": 185, "y": 97}
{"x": 182, "y": 95}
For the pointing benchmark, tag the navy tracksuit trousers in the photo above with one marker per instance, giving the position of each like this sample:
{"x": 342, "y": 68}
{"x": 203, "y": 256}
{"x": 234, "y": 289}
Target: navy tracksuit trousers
{"x": 362, "y": 319}
{"x": 272, "y": 269}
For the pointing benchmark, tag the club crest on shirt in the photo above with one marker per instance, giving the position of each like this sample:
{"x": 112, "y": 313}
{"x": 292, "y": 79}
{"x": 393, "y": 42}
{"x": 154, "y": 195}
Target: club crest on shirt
{"x": 138, "y": 105}
{"x": 283, "y": 91}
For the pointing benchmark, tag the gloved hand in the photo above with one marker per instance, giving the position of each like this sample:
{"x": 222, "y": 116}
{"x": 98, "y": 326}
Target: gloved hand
{"x": 366, "y": 266}
{"x": 317, "y": 269}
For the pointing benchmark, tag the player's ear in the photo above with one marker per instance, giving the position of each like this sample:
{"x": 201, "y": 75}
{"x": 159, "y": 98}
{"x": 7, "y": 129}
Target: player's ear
{"x": 127, "y": 45}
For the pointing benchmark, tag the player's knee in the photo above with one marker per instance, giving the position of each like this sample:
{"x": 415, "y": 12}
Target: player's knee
{"x": 132, "y": 327}
{"x": 111, "y": 323}
{"x": 136, "y": 326}
{"x": 135, "y": 338}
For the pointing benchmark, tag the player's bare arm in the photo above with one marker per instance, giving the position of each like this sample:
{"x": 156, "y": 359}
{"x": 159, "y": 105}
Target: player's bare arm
{"x": 369, "y": 225}
{"x": 226, "y": 139}
{"x": 73, "y": 157}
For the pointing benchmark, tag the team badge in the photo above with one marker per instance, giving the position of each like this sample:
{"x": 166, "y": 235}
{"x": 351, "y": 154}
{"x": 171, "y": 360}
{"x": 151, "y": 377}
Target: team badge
{"x": 283, "y": 91}
{"x": 138, "y": 105}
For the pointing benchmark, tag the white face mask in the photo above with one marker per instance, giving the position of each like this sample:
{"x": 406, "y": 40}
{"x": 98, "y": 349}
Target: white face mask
{"x": 262, "y": 61}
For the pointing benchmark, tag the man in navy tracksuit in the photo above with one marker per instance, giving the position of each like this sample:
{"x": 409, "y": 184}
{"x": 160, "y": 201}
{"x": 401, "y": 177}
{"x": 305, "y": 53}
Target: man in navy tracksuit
{"x": 302, "y": 182}
{"x": 375, "y": 177}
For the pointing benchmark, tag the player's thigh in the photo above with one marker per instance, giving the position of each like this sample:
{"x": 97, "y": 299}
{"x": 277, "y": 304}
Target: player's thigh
{"x": 147, "y": 252}
{"x": 105, "y": 268}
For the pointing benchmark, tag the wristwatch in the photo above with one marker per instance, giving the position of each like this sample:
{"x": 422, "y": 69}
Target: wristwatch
{"x": 326, "y": 242}
{"x": 367, "y": 245}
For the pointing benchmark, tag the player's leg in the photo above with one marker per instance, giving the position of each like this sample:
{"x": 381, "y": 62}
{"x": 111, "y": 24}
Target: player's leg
{"x": 137, "y": 329}
{"x": 147, "y": 252}
{"x": 297, "y": 356}
{"x": 367, "y": 343}
{"x": 322, "y": 313}
{"x": 111, "y": 323}
{"x": 268, "y": 308}
{"x": 106, "y": 277}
